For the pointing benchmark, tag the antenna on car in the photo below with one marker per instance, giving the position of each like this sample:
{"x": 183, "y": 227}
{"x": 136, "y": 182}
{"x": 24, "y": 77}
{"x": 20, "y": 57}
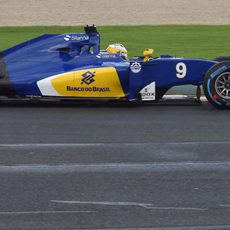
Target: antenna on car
{"x": 90, "y": 29}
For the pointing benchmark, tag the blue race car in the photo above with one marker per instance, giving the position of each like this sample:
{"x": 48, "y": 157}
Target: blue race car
{"x": 72, "y": 66}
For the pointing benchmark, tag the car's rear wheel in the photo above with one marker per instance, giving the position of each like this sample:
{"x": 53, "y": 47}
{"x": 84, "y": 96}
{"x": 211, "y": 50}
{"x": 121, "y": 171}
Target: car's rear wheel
{"x": 217, "y": 85}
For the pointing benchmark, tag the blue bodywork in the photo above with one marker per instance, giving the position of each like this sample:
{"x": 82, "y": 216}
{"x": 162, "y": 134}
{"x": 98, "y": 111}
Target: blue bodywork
{"x": 163, "y": 71}
{"x": 49, "y": 55}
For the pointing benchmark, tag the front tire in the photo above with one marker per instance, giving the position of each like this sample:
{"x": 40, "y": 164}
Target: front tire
{"x": 222, "y": 58}
{"x": 217, "y": 85}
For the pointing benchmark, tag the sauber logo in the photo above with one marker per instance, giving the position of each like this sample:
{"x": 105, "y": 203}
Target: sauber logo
{"x": 88, "y": 77}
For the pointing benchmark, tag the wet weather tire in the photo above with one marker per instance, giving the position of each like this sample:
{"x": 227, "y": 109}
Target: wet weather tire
{"x": 217, "y": 85}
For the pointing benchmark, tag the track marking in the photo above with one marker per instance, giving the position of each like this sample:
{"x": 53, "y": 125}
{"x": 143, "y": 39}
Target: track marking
{"x": 225, "y": 205}
{"x": 142, "y": 205}
{"x": 21, "y": 145}
{"x": 116, "y": 167}
{"x": 43, "y": 212}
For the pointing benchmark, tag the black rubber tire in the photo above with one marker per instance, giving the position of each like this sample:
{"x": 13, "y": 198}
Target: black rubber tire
{"x": 209, "y": 85}
{"x": 222, "y": 58}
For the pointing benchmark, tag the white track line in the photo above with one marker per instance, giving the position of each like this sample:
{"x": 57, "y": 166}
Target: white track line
{"x": 225, "y": 205}
{"x": 142, "y": 205}
{"x": 43, "y": 212}
{"x": 116, "y": 167}
{"x": 21, "y": 145}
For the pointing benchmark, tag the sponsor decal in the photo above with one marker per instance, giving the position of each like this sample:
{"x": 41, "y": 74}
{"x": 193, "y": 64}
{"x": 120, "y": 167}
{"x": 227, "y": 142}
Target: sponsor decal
{"x": 87, "y": 83}
{"x": 148, "y": 93}
{"x": 135, "y": 67}
{"x": 88, "y": 77}
{"x": 219, "y": 71}
{"x": 76, "y": 37}
{"x": 87, "y": 89}
{"x": 106, "y": 56}
{"x": 67, "y": 37}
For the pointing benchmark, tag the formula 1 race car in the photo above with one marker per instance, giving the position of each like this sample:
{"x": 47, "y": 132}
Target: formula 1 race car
{"x": 72, "y": 66}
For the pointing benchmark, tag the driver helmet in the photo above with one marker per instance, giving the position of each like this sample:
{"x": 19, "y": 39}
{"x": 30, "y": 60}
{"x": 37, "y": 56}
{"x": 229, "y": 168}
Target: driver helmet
{"x": 118, "y": 49}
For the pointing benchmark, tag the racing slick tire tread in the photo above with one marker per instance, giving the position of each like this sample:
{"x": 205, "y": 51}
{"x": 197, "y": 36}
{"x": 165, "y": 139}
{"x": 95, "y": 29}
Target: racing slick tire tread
{"x": 209, "y": 85}
{"x": 222, "y": 58}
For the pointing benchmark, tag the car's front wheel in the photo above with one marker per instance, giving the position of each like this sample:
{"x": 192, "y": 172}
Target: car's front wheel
{"x": 217, "y": 85}
{"x": 222, "y": 58}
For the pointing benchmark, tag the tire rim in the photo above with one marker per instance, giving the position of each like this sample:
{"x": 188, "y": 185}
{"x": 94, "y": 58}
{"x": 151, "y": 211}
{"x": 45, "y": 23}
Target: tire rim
{"x": 222, "y": 85}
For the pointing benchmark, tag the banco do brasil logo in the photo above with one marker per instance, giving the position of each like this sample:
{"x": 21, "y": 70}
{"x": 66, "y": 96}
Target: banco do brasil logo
{"x": 88, "y": 77}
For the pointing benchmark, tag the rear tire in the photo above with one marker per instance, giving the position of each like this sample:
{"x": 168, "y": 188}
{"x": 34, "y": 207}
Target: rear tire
{"x": 217, "y": 85}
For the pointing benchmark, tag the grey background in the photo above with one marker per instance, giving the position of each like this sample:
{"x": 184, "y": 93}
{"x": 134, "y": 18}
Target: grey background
{"x": 116, "y": 12}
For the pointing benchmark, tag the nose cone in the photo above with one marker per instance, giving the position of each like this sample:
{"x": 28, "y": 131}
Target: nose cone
{"x": 6, "y": 88}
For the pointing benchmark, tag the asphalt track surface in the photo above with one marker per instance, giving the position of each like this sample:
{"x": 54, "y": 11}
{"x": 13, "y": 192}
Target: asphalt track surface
{"x": 99, "y": 166}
